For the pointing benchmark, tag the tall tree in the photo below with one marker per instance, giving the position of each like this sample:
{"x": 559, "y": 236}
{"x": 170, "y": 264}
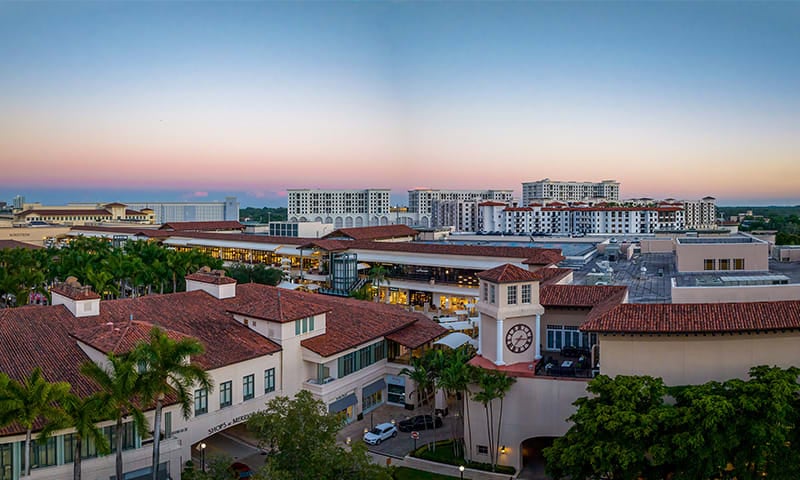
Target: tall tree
{"x": 121, "y": 389}
{"x": 31, "y": 400}
{"x": 301, "y": 436}
{"x": 82, "y": 415}
{"x": 169, "y": 368}
{"x": 379, "y": 275}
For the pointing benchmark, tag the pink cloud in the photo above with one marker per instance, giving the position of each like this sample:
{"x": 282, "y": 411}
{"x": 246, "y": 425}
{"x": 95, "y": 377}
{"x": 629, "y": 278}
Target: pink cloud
{"x": 197, "y": 194}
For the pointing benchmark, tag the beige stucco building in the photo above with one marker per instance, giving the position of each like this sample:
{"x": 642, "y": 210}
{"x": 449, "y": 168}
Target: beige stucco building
{"x": 583, "y": 331}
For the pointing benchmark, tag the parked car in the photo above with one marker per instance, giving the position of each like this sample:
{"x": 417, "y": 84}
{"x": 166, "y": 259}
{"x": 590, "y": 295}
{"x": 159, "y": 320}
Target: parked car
{"x": 381, "y": 432}
{"x": 241, "y": 470}
{"x": 420, "y": 422}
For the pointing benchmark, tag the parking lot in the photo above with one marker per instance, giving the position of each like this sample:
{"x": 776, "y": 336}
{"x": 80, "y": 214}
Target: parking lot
{"x": 401, "y": 445}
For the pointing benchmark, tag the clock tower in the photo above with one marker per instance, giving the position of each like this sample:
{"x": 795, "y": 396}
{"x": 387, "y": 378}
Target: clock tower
{"x": 510, "y": 330}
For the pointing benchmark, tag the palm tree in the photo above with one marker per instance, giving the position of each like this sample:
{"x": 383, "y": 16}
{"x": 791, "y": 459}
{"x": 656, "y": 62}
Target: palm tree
{"x": 27, "y": 401}
{"x": 378, "y": 275}
{"x": 169, "y": 369}
{"x": 120, "y": 387}
{"x": 503, "y": 384}
{"x": 83, "y": 415}
{"x": 424, "y": 375}
{"x": 455, "y": 378}
{"x": 494, "y": 385}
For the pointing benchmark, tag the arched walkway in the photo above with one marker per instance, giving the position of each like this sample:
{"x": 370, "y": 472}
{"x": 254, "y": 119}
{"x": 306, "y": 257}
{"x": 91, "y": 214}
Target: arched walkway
{"x": 532, "y": 457}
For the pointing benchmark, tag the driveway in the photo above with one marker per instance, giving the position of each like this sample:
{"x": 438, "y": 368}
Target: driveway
{"x": 403, "y": 444}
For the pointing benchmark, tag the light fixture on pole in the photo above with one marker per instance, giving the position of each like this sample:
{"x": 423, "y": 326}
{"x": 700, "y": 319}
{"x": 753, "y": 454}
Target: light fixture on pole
{"x": 203, "y": 456}
{"x": 461, "y": 470}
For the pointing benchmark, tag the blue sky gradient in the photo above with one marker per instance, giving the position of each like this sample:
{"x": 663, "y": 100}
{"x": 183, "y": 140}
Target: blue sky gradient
{"x": 162, "y": 99}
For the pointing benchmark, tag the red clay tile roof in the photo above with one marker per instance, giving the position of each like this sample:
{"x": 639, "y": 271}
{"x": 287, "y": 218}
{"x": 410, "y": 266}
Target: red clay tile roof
{"x": 202, "y": 226}
{"x": 120, "y": 338}
{"x": 381, "y": 232}
{"x": 552, "y": 275}
{"x": 698, "y": 318}
{"x": 417, "y": 334}
{"x": 75, "y": 292}
{"x": 351, "y": 323}
{"x": 8, "y": 244}
{"x": 115, "y": 204}
{"x": 132, "y": 212}
{"x": 508, "y": 273}
{"x": 327, "y": 245}
{"x": 273, "y": 303}
{"x": 576, "y": 295}
{"x": 492, "y": 204}
{"x": 211, "y": 277}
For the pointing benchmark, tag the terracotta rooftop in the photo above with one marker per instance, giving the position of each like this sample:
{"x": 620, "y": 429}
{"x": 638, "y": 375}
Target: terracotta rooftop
{"x": 508, "y": 273}
{"x": 382, "y": 232}
{"x": 8, "y": 244}
{"x": 41, "y": 335}
{"x": 353, "y": 322}
{"x": 273, "y": 303}
{"x": 216, "y": 277}
{"x": 75, "y": 292}
{"x": 576, "y": 295}
{"x": 492, "y": 204}
{"x": 202, "y": 226}
{"x": 327, "y": 245}
{"x": 553, "y": 275}
{"x": 698, "y": 318}
{"x": 120, "y": 338}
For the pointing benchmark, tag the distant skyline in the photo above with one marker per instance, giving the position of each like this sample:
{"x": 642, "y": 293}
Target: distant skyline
{"x": 103, "y": 101}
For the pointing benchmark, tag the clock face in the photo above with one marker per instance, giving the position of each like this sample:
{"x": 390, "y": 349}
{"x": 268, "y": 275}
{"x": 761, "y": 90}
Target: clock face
{"x": 519, "y": 338}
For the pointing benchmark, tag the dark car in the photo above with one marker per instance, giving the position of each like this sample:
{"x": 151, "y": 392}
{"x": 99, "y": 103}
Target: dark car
{"x": 420, "y": 422}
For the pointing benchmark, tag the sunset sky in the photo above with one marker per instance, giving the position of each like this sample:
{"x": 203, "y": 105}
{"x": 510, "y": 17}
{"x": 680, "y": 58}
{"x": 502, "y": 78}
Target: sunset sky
{"x": 177, "y": 100}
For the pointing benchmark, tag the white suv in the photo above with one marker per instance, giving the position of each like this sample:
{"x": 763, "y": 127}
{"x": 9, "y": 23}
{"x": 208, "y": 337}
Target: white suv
{"x": 380, "y": 433}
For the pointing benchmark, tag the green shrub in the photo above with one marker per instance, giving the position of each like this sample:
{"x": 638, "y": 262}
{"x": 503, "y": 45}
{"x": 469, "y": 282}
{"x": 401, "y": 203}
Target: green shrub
{"x": 444, "y": 454}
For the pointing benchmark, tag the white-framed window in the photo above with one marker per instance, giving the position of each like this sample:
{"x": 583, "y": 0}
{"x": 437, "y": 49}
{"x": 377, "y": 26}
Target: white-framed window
{"x": 492, "y": 296}
{"x": 526, "y": 293}
{"x": 512, "y": 294}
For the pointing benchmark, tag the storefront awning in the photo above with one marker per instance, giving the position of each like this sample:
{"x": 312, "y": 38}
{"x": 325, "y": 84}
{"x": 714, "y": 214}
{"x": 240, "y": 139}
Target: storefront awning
{"x": 373, "y": 387}
{"x": 343, "y": 403}
{"x": 453, "y": 340}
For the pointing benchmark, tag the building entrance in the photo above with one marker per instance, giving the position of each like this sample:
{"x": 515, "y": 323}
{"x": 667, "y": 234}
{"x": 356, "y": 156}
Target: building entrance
{"x": 533, "y": 458}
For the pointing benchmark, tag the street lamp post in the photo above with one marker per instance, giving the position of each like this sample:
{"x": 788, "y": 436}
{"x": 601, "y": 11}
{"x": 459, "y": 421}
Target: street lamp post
{"x": 203, "y": 456}
{"x": 461, "y": 470}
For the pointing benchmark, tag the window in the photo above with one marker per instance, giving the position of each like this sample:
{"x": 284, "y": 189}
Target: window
{"x": 43, "y": 455}
{"x": 491, "y": 294}
{"x": 512, "y": 294}
{"x": 225, "y": 394}
{"x": 483, "y": 450}
{"x": 200, "y": 401}
{"x": 485, "y": 292}
{"x": 724, "y": 264}
{"x": 304, "y": 325}
{"x": 738, "y": 263}
{"x": 362, "y": 358}
{"x": 248, "y": 386}
{"x": 6, "y": 459}
{"x": 167, "y": 424}
{"x": 269, "y": 380}
{"x": 526, "y": 293}
{"x": 708, "y": 264}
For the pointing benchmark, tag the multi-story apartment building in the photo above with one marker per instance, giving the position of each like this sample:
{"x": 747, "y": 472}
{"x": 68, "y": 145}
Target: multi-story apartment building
{"x": 701, "y": 214}
{"x": 557, "y": 218}
{"x": 342, "y": 208}
{"x": 462, "y": 215}
{"x": 569, "y": 191}
{"x": 423, "y": 201}
{"x": 82, "y": 214}
{"x": 166, "y": 212}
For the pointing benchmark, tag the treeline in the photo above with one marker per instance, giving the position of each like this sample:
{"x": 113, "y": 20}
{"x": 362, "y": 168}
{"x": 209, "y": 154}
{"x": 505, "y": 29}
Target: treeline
{"x": 263, "y": 214}
{"x": 638, "y": 428}
{"x": 784, "y": 220}
{"x": 138, "y": 268}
